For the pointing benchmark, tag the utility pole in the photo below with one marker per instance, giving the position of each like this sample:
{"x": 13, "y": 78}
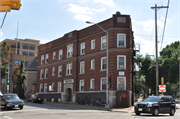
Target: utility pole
{"x": 157, "y": 65}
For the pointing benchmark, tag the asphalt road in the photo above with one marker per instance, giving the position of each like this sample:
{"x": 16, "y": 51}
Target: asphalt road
{"x": 45, "y": 111}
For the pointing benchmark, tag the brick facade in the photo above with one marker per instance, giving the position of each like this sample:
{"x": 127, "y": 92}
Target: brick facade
{"x": 70, "y": 90}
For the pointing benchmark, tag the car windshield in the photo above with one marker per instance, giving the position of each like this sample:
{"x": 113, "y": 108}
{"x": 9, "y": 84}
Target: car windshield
{"x": 11, "y": 97}
{"x": 151, "y": 99}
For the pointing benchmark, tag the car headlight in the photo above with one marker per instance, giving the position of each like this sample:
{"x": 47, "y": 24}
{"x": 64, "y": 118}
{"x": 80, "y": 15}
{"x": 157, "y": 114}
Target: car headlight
{"x": 149, "y": 105}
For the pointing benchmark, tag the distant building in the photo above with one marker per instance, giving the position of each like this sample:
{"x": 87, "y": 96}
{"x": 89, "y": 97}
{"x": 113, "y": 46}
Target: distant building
{"x": 20, "y": 49}
{"x": 73, "y": 67}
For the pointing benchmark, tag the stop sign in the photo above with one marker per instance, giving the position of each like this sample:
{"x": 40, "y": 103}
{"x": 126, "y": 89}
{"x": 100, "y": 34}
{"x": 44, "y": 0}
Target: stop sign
{"x": 162, "y": 88}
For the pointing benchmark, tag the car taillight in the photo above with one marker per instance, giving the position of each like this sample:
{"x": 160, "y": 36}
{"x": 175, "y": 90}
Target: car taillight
{"x": 36, "y": 98}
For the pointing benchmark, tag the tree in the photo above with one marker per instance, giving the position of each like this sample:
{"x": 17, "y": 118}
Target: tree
{"x": 19, "y": 76}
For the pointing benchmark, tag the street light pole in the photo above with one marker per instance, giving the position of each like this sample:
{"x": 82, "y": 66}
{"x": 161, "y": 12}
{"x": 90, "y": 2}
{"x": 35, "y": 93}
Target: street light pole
{"x": 107, "y": 95}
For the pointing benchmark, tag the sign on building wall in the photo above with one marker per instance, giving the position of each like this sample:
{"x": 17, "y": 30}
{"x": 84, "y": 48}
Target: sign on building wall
{"x": 121, "y": 73}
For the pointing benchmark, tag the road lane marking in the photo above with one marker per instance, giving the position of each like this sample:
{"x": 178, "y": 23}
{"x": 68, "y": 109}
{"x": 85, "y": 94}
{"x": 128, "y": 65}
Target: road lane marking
{"x": 7, "y": 117}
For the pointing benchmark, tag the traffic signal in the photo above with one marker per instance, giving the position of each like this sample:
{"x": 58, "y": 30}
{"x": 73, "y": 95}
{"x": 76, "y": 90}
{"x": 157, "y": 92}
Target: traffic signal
{"x": 8, "y": 81}
{"x": 14, "y": 4}
{"x": 109, "y": 79}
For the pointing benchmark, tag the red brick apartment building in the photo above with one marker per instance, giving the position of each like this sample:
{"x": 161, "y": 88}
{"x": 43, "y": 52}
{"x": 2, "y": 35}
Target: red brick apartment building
{"x": 75, "y": 64}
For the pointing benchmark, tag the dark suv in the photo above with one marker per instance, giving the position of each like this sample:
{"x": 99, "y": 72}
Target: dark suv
{"x": 156, "y": 105}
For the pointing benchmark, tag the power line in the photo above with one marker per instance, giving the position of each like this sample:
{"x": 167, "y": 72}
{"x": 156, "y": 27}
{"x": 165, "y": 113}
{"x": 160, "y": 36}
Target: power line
{"x": 3, "y": 20}
{"x": 164, "y": 24}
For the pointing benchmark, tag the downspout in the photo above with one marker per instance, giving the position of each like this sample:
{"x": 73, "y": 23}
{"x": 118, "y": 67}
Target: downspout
{"x": 77, "y": 66}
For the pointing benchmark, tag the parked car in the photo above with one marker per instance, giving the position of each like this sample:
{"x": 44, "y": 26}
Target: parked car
{"x": 35, "y": 98}
{"x": 1, "y": 93}
{"x": 156, "y": 105}
{"x": 10, "y": 100}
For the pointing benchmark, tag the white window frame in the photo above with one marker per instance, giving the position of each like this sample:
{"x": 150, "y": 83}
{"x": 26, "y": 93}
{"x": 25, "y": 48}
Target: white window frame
{"x": 91, "y": 83}
{"x": 80, "y": 85}
{"x": 54, "y": 55}
{"x": 92, "y": 44}
{"x": 42, "y": 59}
{"x": 102, "y": 44}
{"x": 70, "y": 65}
{"x": 102, "y": 64}
{"x": 118, "y": 67}
{"x": 81, "y": 67}
{"x": 124, "y": 83}
{"x": 47, "y": 58}
{"x": 59, "y": 89}
{"x": 82, "y": 51}
{"x": 60, "y": 67}
{"x": 40, "y": 87}
{"x": 52, "y": 86}
{"x": 118, "y": 39}
{"x": 45, "y": 87}
{"x": 46, "y": 72}
{"x": 60, "y": 54}
{"x": 41, "y": 74}
{"x": 92, "y": 66}
{"x": 69, "y": 52}
{"x": 101, "y": 83}
{"x": 53, "y": 71}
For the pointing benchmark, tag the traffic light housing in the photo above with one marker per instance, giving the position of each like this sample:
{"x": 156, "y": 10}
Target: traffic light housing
{"x": 8, "y": 81}
{"x": 109, "y": 79}
{"x": 12, "y": 4}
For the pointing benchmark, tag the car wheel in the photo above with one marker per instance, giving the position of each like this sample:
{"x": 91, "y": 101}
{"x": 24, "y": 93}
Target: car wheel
{"x": 137, "y": 113}
{"x": 172, "y": 112}
{"x": 21, "y": 107}
{"x": 155, "y": 112}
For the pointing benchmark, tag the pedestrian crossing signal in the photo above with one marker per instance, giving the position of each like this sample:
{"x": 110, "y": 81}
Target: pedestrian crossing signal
{"x": 8, "y": 81}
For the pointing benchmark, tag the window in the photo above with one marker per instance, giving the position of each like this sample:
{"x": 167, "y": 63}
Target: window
{"x": 103, "y": 83}
{"x": 40, "y": 88}
{"x": 31, "y": 54}
{"x": 53, "y": 71}
{"x": 82, "y": 67}
{"x": 92, "y": 44}
{"x": 25, "y": 53}
{"x": 92, "y": 83}
{"x": 82, "y": 48}
{"x": 69, "y": 50}
{"x": 54, "y": 55}
{"x": 103, "y": 63}
{"x": 26, "y": 64}
{"x": 81, "y": 88}
{"x": 69, "y": 69}
{"x": 121, "y": 62}
{"x": 60, "y": 71}
{"x": 46, "y": 73}
{"x": 60, "y": 54}
{"x": 41, "y": 74}
{"x": 121, "y": 83}
{"x": 47, "y": 56}
{"x": 121, "y": 40}
{"x": 16, "y": 62}
{"x": 52, "y": 86}
{"x": 93, "y": 64}
{"x": 42, "y": 59}
{"x": 45, "y": 87}
{"x": 25, "y": 46}
{"x": 103, "y": 42}
{"x": 31, "y": 47}
{"x": 59, "y": 87}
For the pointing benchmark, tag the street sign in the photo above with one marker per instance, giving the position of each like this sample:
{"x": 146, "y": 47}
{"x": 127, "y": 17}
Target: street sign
{"x": 50, "y": 88}
{"x": 162, "y": 88}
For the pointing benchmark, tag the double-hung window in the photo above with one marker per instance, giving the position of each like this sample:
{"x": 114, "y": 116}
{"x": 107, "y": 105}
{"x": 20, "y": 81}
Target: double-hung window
{"x": 42, "y": 59}
{"x": 69, "y": 50}
{"x": 81, "y": 85}
{"x": 92, "y": 84}
{"x": 59, "y": 87}
{"x": 103, "y": 63}
{"x": 47, "y": 57}
{"x": 41, "y": 74}
{"x": 92, "y": 44}
{"x": 121, "y": 40}
{"x": 53, "y": 71}
{"x": 121, "y": 62}
{"x": 31, "y": 47}
{"x": 93, "y": 64}
{"x": 103, "y": 42}
{"x": 45, "y": 87}
{"x": 25, "y": 53}
{"x": 82, "y": 67}
{"x": 46, "y": 73}
{"x": 121, "y": 83}
{"x": 103, "y": 83}
{"x": 60, "y": 71}
{"x": 54, "y": 55}
{"x": 60, "y": 54}
{"x": 82, "y": 48}
{"x": 25, "y": 46}
{"x": 41, "y": 88}
{"x": 69, "y": 69}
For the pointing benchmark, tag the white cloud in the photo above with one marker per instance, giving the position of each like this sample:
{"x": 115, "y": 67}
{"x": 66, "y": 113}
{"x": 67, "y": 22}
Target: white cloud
{"x": 149, "y": 25}
{"x": 106, "y": 2}
{"x": 1, "y": 33}
{"x": 82, "y": 17}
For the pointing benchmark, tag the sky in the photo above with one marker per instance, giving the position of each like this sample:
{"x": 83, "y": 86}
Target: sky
{"x": 47, "y": 20}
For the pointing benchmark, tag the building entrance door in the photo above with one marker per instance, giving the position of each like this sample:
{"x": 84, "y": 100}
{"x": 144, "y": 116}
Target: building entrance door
{"x": 69, "y": 94}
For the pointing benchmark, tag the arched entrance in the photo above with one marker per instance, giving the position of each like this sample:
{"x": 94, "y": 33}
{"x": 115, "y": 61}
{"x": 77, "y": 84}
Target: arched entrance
{"x": 69, "y": 94}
